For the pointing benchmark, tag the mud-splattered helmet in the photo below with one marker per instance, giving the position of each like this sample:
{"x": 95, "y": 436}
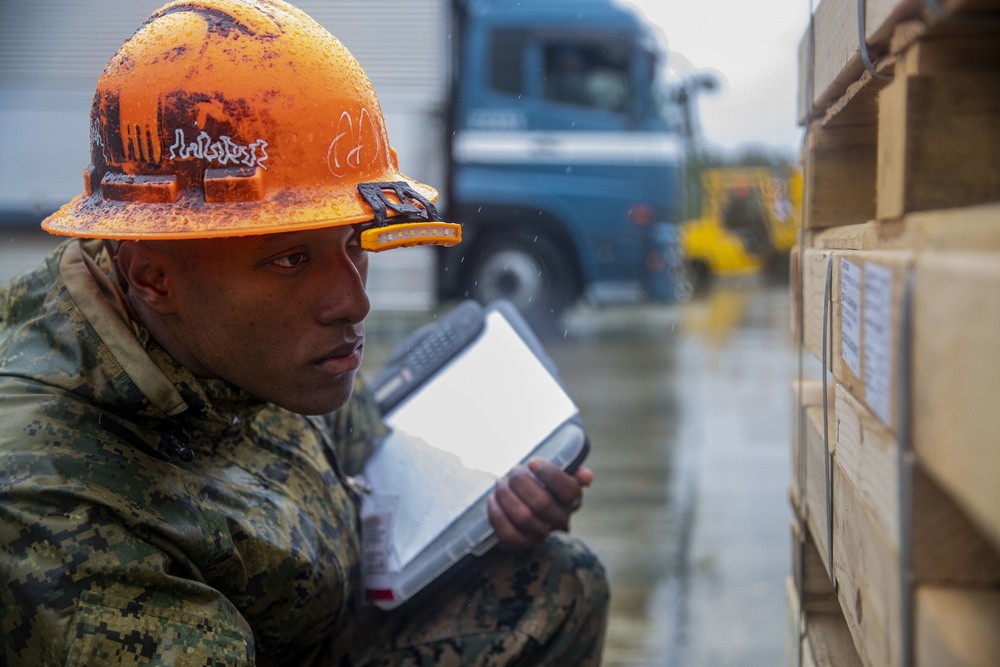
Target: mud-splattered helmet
{"x": 241, "y": 117}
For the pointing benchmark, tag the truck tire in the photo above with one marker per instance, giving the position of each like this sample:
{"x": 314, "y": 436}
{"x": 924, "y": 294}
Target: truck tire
{"x": 528, "y": 271}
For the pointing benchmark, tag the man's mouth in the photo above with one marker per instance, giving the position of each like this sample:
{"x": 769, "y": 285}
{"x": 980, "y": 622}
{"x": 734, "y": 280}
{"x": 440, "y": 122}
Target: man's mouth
{"x": 343, "y": 359}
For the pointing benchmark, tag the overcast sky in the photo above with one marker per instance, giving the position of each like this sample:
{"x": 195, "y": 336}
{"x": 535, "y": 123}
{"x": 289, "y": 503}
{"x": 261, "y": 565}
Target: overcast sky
{"x": 753, "y": 48}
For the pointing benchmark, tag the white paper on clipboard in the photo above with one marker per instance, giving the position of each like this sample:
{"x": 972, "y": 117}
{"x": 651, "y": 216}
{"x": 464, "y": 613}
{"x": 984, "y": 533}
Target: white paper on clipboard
{"x": 486, "y": 411}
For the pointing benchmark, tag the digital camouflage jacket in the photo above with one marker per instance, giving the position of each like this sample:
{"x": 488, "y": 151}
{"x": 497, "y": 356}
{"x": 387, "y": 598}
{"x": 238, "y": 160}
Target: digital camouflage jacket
{"x": 149, "y": 515}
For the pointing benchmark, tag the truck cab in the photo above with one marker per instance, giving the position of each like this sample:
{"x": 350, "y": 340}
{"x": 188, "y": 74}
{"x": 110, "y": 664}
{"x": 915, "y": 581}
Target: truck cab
{"x": 563, "y": 172}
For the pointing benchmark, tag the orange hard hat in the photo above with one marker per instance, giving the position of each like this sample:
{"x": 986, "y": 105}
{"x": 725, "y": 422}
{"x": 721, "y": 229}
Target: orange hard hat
{"x": 238, "y": 117}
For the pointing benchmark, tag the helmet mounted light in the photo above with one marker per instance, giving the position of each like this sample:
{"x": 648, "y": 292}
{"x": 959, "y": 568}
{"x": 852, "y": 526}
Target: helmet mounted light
{"x": 416, "y": 220}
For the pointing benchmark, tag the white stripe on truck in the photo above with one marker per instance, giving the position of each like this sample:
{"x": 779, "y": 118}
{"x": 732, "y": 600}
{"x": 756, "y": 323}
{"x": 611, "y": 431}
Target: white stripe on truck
{"x": 639, "y": 148}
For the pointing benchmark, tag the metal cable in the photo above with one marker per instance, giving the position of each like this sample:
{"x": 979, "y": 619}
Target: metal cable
{"x": 828, "y": 368}
{"x": 906, "y": 465}
{"x": 863, "y": 41}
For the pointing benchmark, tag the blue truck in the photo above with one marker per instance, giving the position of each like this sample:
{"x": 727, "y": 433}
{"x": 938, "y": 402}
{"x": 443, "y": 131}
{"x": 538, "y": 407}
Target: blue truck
{"x": 541, "y": 121}
{"x": 562, "y": 166}
{"x": 545, "y": 125}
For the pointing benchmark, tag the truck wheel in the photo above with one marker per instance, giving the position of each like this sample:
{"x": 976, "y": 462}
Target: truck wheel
{"x": 531, "y": 273}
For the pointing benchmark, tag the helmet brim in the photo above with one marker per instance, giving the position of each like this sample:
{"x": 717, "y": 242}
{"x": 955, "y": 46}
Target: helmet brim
{"x": 91, "y": 216}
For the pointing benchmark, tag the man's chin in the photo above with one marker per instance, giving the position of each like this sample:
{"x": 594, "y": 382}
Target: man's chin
{"x": 320, "y": 402}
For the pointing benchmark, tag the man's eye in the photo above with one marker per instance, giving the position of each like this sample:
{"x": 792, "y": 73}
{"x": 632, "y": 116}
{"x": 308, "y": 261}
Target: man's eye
{"x": 291, "y": 261}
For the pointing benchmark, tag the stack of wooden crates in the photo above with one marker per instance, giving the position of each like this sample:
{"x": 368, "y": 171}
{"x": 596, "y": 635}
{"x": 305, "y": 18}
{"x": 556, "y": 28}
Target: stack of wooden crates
{"x": 896, "y": 294}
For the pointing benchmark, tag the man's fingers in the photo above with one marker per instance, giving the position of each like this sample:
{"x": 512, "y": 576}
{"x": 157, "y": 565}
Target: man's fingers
{"x": 585, "y": 476}
{"x": 508, "y": 535}
{"x": 543, "y": 504}
{"x": 533, "y": 501}
{"x": 525, "y": 505}
{"x": 565, "y": 488}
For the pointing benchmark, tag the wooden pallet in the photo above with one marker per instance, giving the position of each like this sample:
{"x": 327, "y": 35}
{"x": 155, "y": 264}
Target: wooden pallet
{"x": 818, "y": 635}
{"x": 925, "y": 141}
{"x": 830, "y": 58}
{"x": 850, "y": 508}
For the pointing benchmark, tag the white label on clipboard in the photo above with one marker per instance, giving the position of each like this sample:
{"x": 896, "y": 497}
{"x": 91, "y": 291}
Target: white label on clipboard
{"x": 378, "y": 515}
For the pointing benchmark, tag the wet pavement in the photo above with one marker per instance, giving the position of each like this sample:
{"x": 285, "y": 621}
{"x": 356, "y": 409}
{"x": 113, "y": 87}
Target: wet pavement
{"x": 688, "y": 410}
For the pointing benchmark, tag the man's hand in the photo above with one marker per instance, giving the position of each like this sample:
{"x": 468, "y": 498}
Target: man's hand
{"x": 534, "y": 500}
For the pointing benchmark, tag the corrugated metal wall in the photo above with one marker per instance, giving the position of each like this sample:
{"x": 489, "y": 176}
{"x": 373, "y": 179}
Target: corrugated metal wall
{"x": 59, "y": 43}
{"x": 400, "y": 43}
{"x": 55, "y": 44}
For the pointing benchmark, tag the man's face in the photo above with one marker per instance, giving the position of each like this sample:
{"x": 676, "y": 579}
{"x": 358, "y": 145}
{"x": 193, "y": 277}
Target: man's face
{"x": 281, "y": 315}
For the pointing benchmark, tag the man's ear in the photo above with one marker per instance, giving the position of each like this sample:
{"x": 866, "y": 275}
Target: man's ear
{"x": 147, "y": 272}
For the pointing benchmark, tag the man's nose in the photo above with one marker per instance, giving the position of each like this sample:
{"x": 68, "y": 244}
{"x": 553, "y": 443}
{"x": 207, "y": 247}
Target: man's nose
{"x": 345, "y": 297}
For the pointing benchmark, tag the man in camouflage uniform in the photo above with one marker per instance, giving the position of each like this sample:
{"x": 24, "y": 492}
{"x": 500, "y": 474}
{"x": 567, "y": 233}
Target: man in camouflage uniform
{"x": 165, "y": 497}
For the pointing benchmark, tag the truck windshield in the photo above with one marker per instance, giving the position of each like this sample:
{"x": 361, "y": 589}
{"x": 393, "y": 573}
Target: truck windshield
{"x": 589, "y": 73}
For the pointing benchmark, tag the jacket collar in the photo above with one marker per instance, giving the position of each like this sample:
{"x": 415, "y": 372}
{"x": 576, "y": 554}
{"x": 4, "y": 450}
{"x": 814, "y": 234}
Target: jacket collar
{"x": 167, "y": 388}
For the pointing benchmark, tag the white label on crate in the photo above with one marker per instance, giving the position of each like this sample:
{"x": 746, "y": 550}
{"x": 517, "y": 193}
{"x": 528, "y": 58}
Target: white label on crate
{"x": 878, "y": 339}
{"x": 850, "y": 315}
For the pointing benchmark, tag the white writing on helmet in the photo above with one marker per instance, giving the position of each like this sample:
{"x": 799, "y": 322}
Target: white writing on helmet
{"x": 223, "y": 150}
{"x": 95, "y": 132}
{"x": 348, "y": 149}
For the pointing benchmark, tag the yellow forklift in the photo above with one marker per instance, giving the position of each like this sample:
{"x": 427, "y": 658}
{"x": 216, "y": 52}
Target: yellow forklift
{"x": 749, "y": 221}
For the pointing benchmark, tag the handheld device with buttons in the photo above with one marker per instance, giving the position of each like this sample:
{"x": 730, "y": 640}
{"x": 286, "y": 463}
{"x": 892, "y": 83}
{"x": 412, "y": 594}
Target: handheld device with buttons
{"x": 466, "y": 400}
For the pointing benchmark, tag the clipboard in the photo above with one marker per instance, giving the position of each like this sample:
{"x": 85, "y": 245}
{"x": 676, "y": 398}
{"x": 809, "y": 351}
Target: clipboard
{"x": 466, "y": 399}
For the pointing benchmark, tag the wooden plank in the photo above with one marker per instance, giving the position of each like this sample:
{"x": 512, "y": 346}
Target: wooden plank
{"x": 859, "y": 103}
{"x": 829, "y": 55}
{"x": 817, "y": 639}
{"x": 815, "y": 592}
{"x": 861, "y": 236}
{"x": 966, "y": 228}
{"x": 813, "y": 299}
{"x": 830, "y": 641}
{"x": 804, "y": 94}
{"x": 815, "y": 494}
{"x": 841, "y": 188}
{"x": 794, "y": 627}
{"x": 944, "y": 51}
{"x": 945, "y": 544}
{"x": 805, "y": 394}
{"x": 835, "y": 60}
{"x": 957, "y": 627}
{"x": 869, "y": 455}
{"x": 956, "y": 363}
{"x": 945, "y": 548}
{"x": 938, "y": 142}
{"x": 882, "y": 17}
{"x": 795, "y": 312}
{"x": 866, "y": 570}
{"x": 839, "y": 175}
